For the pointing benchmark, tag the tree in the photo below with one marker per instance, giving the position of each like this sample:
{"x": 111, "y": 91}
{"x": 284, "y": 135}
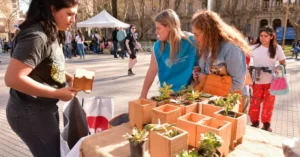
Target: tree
{"x": 7, "y": 15}
{"x": 145, "y": 19}
{"x": 114, "y": 8}
{"x": 239, "y": 12}
{"x": 295, "y": 21}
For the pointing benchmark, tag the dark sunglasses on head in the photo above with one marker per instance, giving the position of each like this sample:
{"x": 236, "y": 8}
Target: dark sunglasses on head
{"x": 267, "y": 29}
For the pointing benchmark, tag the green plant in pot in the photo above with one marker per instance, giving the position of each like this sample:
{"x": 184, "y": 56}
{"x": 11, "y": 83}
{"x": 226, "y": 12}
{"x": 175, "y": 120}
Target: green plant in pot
{"x": 165, "y": 93}
{"x": 157, "y": 127}
{"x": 193, "y": 96}
{"x": 190, "y": 153}
{"x": 209, "y": 144}
{"x": 137, "y": 142}
{"x": 162, "y": 128}
{"x": 228, "y": 104}
{"x": 184, "y": 90}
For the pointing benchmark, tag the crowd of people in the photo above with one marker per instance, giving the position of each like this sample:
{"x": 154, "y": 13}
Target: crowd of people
{"x": 37, "y": 78}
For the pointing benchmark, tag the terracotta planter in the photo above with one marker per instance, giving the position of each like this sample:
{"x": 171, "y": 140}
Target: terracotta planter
{"x": 185, "y": 109}
{"x": 140, "y": 112}
{"x": 162, "y": 146}
{"x": 189, "y": 123}
{"x": 238, "y": 127}
{"x": 83, "y": 80}
{"x": 166, "y": 113}
{"x": 219, "y": 127}
{"x": 208, "y": 109}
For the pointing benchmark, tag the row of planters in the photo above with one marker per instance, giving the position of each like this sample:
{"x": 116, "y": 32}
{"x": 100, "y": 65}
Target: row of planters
{"x": 194, "y": 114}
{"x": 169, "y": 141}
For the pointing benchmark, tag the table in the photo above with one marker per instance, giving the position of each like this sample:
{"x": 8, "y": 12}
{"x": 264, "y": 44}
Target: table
{"x": 111, "y": 143}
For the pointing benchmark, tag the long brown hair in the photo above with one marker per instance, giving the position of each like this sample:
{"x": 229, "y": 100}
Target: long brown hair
{"x": 169, "y": 18}
{"x": 273, "y": 44}
{"x": 80, "y": 35}
{"x": 215, "y": 31}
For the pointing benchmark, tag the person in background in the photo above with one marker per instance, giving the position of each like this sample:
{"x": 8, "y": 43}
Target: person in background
{"x": 265, "y": 53}
{"x": 121, "y": 35}
{"x": 68, "y": 45}
{"x": 80, "y": 47}
{"x": 37, "y": 78}
{"x": 296, "y": 48}
{"x": 74, "y": 44}
{"x": 115, "y": 42}
{"x": 95, "y": 42}
{"x": 174, "y": 55}
{"x": 130, "y": 43}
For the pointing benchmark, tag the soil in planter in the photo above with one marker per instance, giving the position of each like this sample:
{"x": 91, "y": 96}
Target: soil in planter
{"x": 187, "y": 102}
{"x": 230, "y": 114}
{"x": 137, "y": 150}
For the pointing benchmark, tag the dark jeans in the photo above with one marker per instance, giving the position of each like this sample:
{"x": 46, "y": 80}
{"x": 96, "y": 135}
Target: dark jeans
{"x": 95, "y": 48}
{"x": 38, "y": 128}
{"x": 115, "y": 48}
{"x": 122, "y": 45}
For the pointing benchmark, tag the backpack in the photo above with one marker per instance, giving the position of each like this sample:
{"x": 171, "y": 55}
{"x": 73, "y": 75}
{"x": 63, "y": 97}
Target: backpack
{"x": 94, "y": 39}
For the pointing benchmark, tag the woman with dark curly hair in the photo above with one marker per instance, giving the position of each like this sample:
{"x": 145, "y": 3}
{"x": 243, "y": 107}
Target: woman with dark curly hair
{"x": 220, "y": 45}
{"x": 36, "y": 75}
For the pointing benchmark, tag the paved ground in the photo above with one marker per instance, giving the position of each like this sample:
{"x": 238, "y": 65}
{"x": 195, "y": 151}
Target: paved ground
{"x": 112, "y": 80}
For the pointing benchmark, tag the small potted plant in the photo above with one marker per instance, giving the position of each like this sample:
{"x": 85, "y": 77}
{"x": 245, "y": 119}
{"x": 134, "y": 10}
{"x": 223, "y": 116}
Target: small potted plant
{"x": 140, "y": 112}
{"x": 190, "y": 153}
{"x": 137, "y": 142}
{"x": 171, "y": 139}
{"x": 238, "y": 120}
{"x": 165, "y": 94}
{"x": 188, "y": 102}
{"x": 208, "y": 108}
{"x": 184, "y": 90}
{"x": 209, "y": 144}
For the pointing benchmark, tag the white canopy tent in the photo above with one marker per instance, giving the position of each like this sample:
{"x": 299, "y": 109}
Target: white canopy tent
{"x": 103, "y": 20}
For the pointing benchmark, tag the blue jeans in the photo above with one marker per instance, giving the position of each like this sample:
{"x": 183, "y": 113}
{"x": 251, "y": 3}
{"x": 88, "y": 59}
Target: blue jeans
{"x": 95, "y": 48}
{"x": 80, "y": 49}
{"x": 115, "y": 48}
{"x": 68, "y": 50}
{"x": 38, "y": 128}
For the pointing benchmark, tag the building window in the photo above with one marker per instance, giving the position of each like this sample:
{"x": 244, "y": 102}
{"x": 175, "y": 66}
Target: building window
{"x": 276, "y": 23}
{"x": 14, "y": 1}
{"x": 14, "y": 6}
{"x": 266, "y": 3}
{"x": 190, "y": 8}
{"x": 263, "y": 23}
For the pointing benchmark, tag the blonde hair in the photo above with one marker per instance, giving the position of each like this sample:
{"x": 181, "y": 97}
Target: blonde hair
{"x": 215, "y": 31}
{"x": 169, "y": 18}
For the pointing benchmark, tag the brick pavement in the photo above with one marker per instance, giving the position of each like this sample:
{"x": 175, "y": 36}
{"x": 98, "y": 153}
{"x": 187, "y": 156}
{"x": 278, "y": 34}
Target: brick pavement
{"x": 112, "y": 80}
